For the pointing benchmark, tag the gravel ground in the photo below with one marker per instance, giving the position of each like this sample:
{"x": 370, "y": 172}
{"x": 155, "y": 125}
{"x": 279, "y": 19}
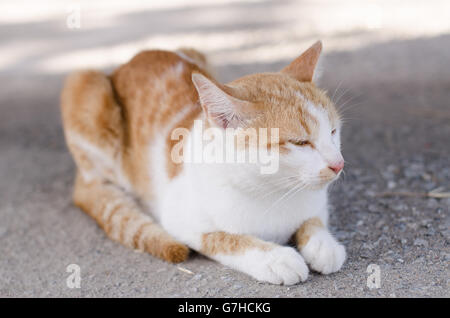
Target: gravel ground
{"x": 396, "y": 139}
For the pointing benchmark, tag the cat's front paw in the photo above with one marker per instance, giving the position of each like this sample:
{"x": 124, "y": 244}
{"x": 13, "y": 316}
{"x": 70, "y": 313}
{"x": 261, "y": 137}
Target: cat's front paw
{"x": 281, "y": 265}
{"x": 323, "y": 253}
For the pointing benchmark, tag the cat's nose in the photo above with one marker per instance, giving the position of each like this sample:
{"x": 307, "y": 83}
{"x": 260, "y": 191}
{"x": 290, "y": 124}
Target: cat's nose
{"x": 337, "y": 166}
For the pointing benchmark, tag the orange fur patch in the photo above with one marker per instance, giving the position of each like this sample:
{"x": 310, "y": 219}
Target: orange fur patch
{"x": 281, "y": 102}
{"x": 225, "y": 243}
{"x": 308, "y": 228}
{"x": 153, "y": 87}
{"x": 173, "y": 169}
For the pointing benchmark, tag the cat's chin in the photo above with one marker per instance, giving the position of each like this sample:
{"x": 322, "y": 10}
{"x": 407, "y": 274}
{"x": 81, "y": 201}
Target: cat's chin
{"x": 323, "y": 184}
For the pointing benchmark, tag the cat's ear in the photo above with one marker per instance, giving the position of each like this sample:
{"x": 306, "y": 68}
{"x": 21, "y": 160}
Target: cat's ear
{"x": 303, "y": 67}
{"x": 220, "y": 107}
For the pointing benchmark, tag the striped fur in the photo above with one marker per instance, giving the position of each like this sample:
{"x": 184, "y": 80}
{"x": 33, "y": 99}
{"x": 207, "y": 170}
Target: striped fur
{"x": 121, "y": 218}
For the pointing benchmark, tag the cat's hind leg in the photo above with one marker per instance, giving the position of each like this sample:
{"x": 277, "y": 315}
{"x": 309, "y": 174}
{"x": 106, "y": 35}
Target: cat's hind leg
{"x": 93, "y": 125}
{"x": 94, "y": 128}
{"x": 120, "y": 216}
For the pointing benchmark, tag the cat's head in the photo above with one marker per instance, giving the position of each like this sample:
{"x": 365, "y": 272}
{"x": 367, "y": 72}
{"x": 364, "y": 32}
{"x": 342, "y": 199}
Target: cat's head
{"x": 307, "y": 120}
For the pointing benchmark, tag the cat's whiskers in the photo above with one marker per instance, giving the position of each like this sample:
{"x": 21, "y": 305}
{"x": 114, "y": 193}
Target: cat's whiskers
{"x": 345, "y": 91}
{"x": 282, "y": 183}
{"x": 335, "y": 91}
{"x": 274, "y": 182}
{"x": 300, "y": 185}
{"x": 345, "y": 108}
{"x": 281, "y": 187}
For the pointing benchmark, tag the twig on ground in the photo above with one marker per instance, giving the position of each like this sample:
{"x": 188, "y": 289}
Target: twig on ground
{"x": 185, "y": 270}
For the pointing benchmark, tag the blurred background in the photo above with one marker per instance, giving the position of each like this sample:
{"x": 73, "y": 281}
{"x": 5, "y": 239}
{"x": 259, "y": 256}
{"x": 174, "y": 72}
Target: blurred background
{"x": 386, "y": 64}
{"x": 58, "y": 36}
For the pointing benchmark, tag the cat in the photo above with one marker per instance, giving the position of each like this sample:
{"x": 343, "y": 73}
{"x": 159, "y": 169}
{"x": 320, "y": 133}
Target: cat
{"x": 119, "y": 130}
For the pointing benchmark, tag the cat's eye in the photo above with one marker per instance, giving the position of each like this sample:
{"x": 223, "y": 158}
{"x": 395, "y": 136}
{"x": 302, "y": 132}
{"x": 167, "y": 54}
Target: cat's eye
{"x": 333, "y": 131}
{"x": 300, "y": 143}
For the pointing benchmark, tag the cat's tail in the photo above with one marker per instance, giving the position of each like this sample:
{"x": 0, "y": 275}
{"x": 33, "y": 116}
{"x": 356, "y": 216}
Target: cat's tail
{"x": 196, "y": 57}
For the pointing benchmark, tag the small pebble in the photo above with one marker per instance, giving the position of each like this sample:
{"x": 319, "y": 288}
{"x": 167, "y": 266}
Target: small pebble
{"x": 391, "y": 185}
{"x": 420, "y": 242}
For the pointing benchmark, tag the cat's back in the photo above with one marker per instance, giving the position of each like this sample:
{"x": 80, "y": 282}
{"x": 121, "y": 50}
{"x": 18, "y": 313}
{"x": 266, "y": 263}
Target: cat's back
{"x": 156, "y": 93}
{"x": 147, "y": 67}
{"x": 156, "y": 80}
{"x": 154, "y": 87}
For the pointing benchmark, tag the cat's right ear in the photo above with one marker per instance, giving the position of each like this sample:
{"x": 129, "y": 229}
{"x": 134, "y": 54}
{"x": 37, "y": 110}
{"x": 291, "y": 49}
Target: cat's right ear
{"x": 220, "y": 107}
{"x": 304, "y": 66}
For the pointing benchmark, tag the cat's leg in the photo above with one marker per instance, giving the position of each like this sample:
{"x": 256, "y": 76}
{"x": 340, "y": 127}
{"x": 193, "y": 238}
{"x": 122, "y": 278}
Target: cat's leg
{"x": 319, "y": 248}
{"x": 262, "y": 260}
{"x": 122, "y": 220}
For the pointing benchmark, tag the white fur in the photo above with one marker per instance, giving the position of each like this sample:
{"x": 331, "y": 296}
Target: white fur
{"x": 281, "y": 265}
{"x": 158, "y": 157}
{"x": 236, "y": 198}
{"x": 323, "y": 253}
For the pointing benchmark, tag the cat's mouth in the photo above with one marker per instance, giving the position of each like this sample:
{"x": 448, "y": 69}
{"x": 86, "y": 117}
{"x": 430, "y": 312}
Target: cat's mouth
{"x": 325, "y": 178}
{"x": 331, "y": 173}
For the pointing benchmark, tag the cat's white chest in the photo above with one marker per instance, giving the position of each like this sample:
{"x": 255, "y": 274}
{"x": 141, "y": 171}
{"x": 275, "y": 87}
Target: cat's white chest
{"x": 194, "y": 204}
{"x": 269, "y": 218}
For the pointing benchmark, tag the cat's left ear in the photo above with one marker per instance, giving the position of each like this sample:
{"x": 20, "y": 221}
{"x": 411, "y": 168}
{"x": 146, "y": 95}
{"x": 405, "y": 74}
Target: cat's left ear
{"x": 304, "y": 66}
{"x": 221, "y": 108}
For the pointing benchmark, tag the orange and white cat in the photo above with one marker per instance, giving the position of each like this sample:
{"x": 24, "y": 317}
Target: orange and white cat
{"x": 119, "y": 131}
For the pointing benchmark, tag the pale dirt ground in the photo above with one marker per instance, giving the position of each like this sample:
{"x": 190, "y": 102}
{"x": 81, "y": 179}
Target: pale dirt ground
{"x": 390, "y": 58}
